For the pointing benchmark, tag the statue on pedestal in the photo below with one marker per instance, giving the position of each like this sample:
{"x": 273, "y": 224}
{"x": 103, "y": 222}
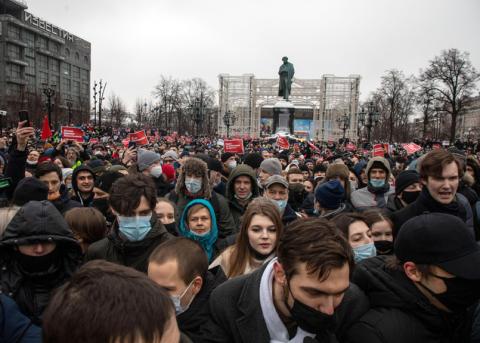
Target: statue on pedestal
{"x": 286, "y": 73}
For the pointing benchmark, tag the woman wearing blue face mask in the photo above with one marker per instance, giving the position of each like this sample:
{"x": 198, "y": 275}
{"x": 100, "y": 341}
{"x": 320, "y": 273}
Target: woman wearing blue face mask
{"x": 359, "y": 236}
{"x": 198, "y": 222}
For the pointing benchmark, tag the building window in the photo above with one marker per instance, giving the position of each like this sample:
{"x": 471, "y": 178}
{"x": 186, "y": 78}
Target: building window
{"x": 65, "y": 68}
{"x": 54, "y": 65}
{"x": 54, "y": 47}
{"x": 41, "y": 42}
{"x": 77, "y": 56}
{"x": 84, "y": 89}
{"x": 31, "y": 66}
{"x": 66, "y": 84}
{"x": 43, "y": 77}
{"x": 84, "y": 74}
{"x": 85, "y": 59}
{"x": 14, "y": 71}
{"x": 75, "y": 72}
{"x": 76, "y": 87}
{"x": 30, "y": 82}
{"x": 54, "y": 80}
{"x": 13, "y": 89}
{"x": 14, "y": 31}
{"x": 67, "y": 52}
{"x": 13, "y": 51}
{"x": 42, "y": 61}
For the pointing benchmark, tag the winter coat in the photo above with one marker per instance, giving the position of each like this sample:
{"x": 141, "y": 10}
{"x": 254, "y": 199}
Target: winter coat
{"x": 116, "y": 249}
{"x": 162, "y": 186}
{"x": 64, "y": 203}
{"x": 34, "y": 222}
{"x": 181, "y": 197}
{"x": 236, "y": 209}
{"x": 14, "y": 326}
{"x": 237, "y": 317}
{"x": 399, "y": 312}
{"x": 394, "y": 204}
{"x": 192, "y": 321}
{"x": 422, "y": 205}
{"x": 77, "y": 197}
{"x": 289, "y": 215}
{"x": 15, "y": 169}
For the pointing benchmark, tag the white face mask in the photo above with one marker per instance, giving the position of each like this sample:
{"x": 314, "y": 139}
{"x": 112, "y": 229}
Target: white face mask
{"x": 176, "y": 299}
{"x": 156, "y": 171}
{"x": 232, "y": 165}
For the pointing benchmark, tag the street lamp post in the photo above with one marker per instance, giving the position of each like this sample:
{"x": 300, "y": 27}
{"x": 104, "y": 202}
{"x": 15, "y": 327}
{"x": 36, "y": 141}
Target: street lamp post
{"x": 369, "y": 118}
{"x": 344, "y": 124}
{"x": 69, "y": 106}
{"x": 49, "y": 92}
{"x": 229, "y": 119}
{"x": 198, "y": 113}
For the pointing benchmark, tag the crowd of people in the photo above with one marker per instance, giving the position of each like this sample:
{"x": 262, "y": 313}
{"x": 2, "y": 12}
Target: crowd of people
{"x": 180, "y": 241}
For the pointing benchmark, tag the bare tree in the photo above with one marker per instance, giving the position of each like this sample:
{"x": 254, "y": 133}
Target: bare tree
{"x": 168, "y": 93}
{"x": 454, "y": 79}
{"x": 116, "y": 109}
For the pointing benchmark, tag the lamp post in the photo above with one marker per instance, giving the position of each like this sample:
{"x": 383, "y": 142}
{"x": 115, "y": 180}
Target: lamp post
{"x": 69, "y": 106}
{"x": 229, "y": 119}
{"x": 344, "y": 124}
{"x": 198, "y": 109}
{"x": 49, "y": 92}
{"x": 369, "y": 118}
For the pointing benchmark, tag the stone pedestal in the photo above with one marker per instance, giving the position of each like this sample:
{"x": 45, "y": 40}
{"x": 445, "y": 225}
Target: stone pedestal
{"x": 283, "y": 116}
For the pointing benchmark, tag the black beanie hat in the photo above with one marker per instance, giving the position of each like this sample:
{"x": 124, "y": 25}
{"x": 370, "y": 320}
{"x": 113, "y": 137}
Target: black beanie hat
{"x": 405, "y": 179}
{"x": 225, "y": 156}
{"x": 253, "y": 159}
{"x": 29, "y": 189}
{"x": 107, "y": 179}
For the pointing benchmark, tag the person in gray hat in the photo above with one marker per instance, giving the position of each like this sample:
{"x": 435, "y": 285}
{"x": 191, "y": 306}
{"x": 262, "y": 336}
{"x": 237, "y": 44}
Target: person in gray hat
{"x": 149, "y": 164}
{"x": 276, "y": 189}
{"x": 268, "y": 167}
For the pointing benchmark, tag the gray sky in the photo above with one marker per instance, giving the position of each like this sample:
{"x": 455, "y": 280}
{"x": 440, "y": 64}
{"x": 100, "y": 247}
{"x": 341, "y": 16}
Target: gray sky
{"x": 135, "y": 42}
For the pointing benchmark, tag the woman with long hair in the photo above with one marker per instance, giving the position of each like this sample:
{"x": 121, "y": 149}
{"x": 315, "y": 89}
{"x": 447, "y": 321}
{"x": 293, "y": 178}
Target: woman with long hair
{"x": 256, "y": 242}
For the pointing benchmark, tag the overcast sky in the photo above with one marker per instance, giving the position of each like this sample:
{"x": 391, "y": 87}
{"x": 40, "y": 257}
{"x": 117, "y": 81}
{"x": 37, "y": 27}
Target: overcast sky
{"x": 134, "y": 42}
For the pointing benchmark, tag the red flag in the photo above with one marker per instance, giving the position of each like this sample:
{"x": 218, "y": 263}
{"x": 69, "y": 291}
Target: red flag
{"x": 282, "y": 142}
{"x": 411, "y": 148}
{"x": 46, "y": 132}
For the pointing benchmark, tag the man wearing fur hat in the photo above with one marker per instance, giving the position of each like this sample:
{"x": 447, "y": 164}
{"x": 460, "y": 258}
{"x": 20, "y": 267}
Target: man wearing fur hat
{"x": 193, "y": 183}
{"x": 378, "y": 189}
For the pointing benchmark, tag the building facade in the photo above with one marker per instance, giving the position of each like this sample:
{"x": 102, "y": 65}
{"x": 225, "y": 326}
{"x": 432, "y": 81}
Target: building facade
{"x": 319, "y": 103}
{"x": 35, "y": 55}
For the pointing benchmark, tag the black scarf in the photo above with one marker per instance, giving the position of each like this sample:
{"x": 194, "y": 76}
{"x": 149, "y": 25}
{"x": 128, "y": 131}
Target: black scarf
{"x": 454, "y": 208}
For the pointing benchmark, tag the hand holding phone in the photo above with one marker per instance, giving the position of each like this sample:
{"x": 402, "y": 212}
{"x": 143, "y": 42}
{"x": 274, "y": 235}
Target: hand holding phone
{"x": 23, "y": 116}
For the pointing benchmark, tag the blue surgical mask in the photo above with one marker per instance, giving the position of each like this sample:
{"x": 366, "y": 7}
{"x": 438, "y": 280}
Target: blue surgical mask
{"x": 377, "y": 183}
{"x": 364, "y": 251}
{"x": 176, "y": 299}
{"x": 205, "y": 234}
{"x": 134, "y": 228}
{"x": 281, "y": 204}
{"x": 193, "y": 185}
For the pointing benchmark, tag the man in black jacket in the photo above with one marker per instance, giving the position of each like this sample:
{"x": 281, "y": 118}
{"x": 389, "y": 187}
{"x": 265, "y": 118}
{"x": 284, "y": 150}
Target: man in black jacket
{"x": 38, "y": 253}
{"x": 180, "y": 266}
{"x": 440, "y": 173}
{"x": 136, "y": 231}
{"x": 304, "y": 296}
{"x": 424, "y": 293}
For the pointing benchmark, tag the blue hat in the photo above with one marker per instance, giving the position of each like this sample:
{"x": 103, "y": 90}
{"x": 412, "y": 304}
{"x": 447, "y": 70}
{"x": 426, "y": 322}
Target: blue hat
{"x": 330, "y": 194}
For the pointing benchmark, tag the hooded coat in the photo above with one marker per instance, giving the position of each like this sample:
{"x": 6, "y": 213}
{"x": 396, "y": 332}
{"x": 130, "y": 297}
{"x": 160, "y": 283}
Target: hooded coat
{"x": 399, "y": 312}
{"x": 64, "y": 203}
{"x": 77, "y": 196}
{"x": 181, "y": 197}
{"x": 114, "y": 248}
{"x": 37, "y": 221}
{"x": 236, "y": 208}
{"x": 365, "y": 198}
{"x": 208, "y": 241}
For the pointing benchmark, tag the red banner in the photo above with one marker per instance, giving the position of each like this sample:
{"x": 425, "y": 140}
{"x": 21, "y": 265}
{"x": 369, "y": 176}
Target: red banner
{"x": 350, "y": 147}
{"x": 313, "y": 146}
{"x": 378, "y": 150}
{"x": 411, "y": 148}
{"x": 233, "y": 145}
{"x": 93, "y": 140}
{"x": 282, "y": 142}
{"x": 72, "y": 134}
{"x": 139, "y": 137}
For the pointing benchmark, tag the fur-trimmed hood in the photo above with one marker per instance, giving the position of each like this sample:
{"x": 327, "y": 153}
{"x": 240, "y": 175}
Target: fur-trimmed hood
{"x": 198, "y": 168}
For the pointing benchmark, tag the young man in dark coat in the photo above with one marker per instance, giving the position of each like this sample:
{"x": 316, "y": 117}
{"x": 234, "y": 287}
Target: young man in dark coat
{"x": 426, "y": 292}
{"x": 136, "y": 231}
{"x": 304, "y": 295}
{"x": 180, "y": 266}
{"x": 440, "y": 173}
{"x": 38, "y": 253}
{"x": 83, "y": 182}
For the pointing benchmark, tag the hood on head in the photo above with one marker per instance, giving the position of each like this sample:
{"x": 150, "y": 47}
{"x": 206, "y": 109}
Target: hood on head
{"x": 183, "y": 226}
{"x": 242, "y": 170}
{"x": 77, "y": 170}
{"x": 381, "y": 160}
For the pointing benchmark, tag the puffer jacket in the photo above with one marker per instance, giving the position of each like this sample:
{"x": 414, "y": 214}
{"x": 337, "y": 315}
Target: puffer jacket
{"x": 399, "y": 312}
{"x": 116, "y": 249}
{"x": 34, "y": 222}
{"x": 236, "y": 209}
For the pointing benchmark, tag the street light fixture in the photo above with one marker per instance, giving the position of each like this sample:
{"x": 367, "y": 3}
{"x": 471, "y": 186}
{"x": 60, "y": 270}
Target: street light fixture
{"x": 229, "y": 119}
{"x": 69, "y": 106}
{"x": 344, "y": 124}
{"x": 369, "y": 118}
{"x": 198, "y": 110}
{"x": 49, "y": 92}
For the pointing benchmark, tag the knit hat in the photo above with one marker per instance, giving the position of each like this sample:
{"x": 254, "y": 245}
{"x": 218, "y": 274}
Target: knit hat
{"x": 43, "y": 159}
{"x": 170, "y": 154}
{"x": 405, "y": 179}
{"x": 66, "y": 172}
{"x": 272, "y": 166}
{"x": 330, "y": 194}
{"x": 107, "y": 179}
{"x": 169, "y": 171}
{"x": 253, "y": 160}
{"x": 215, "y": 165}
{"x": 146, "y": 158}
{"x": 96, "y": 165}
{"x": 29, "y": 189}
{"x": 225, "y": 156}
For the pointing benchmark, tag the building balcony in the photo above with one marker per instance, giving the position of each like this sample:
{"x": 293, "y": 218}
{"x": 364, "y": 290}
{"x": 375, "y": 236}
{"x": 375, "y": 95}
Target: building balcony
{"x": 16, "y": 61}
{"x": 49, "y": 54}
{"x": 14, "y": 79}
{"x": 15, "y": 41}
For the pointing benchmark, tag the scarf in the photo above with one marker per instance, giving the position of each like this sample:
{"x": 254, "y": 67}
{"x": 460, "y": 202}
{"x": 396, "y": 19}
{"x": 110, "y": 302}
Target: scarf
{"x": 454, "y": 208}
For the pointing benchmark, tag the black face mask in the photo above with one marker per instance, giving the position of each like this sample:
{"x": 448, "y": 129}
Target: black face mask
{"x": 461, "y": 293}
{"x": 309, "y": 319}
{"x": 37, "y": 264}
{"x": 297, "y": 191}
{"x": 384, "y": 247}
{"x": 410, "y": 197}
{"x": 172, "y": 228}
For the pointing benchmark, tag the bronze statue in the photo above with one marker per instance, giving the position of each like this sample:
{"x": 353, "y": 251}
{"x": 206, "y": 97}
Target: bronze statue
{"x": 286, "y": 73}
